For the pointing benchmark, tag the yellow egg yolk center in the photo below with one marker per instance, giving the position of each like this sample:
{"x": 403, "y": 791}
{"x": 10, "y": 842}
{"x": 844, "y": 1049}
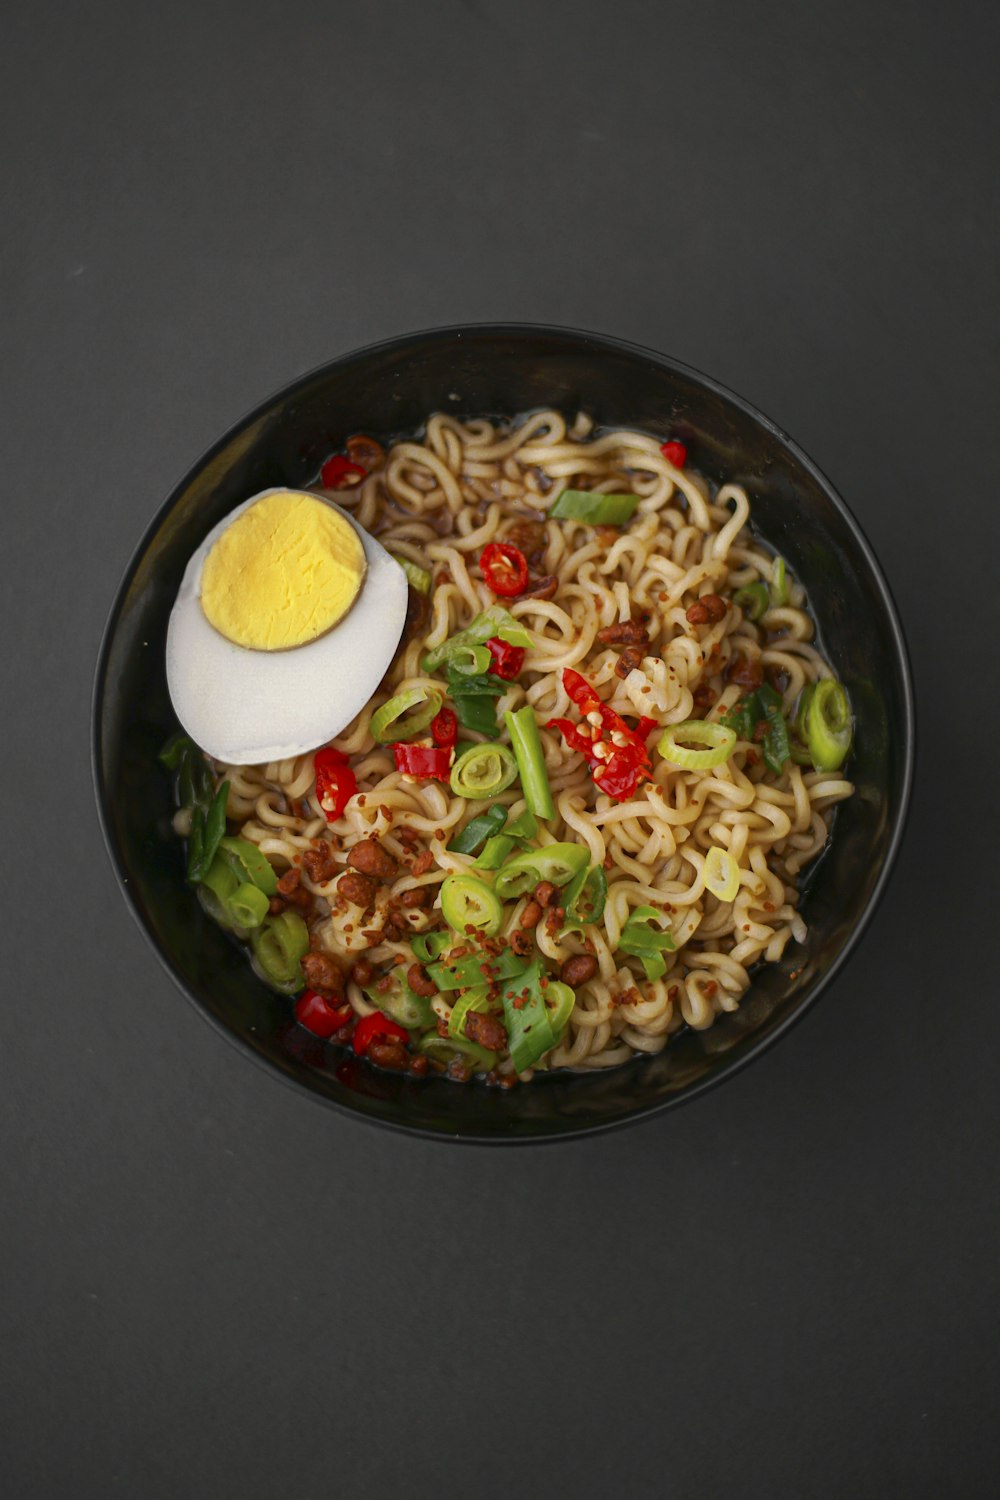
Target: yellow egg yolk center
{"x": 286, "y": 571}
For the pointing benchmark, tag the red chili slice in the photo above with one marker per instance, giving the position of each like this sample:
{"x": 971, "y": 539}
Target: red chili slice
{"x": 675, "y": 453}
{"x": 625, "y": 763}
{"x": 505, "y": 569}
{"x": 339, "y": 473}
{"x": 444, "y": 729}
{"x": 336, "y": 783}
{"x": 316, "y": 1014}
{"x": 376, "y": 1028}
{"x": 429, "y": 762}
{"x": 507, "y": 659}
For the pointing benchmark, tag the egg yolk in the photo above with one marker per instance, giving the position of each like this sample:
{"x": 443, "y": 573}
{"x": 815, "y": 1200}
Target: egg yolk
{"x": 283, "y": 573}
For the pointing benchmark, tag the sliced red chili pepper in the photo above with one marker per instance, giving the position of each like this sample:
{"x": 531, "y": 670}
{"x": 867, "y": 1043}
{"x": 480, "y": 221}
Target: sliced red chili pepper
{"x": 644, "y": 726}
{"x": 580, "y": 691}
{"x": 318, "y": 1015}
{"x": 572, "y": 734}
{"x": 507, "y": 659}
{"x": 675, "y": 453}
{"x": 624, "y": 763}
{"x": 376, "y": 1028}
{"x": 426, "y": 761}
{"x": 505, "y": 569}
{"x": 444, "y": 729}
{"x": 339, "y": 473}
{"x": 336, "y": 783}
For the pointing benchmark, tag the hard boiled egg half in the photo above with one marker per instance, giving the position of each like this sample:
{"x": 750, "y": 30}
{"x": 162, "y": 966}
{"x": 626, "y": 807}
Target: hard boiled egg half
{"x": 286, "y": 620}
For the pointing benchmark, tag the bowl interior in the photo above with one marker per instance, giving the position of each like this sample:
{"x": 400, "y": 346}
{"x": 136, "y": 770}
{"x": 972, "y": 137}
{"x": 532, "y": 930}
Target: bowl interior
{"x": 390, "y": 389}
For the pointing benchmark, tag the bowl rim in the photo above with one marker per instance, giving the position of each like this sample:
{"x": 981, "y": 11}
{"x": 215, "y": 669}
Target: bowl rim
{"x": 601, "y": 341}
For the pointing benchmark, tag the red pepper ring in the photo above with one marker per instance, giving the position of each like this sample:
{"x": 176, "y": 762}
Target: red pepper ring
{"x": 505, "y": 569}
{"x": 376, "y": 1028}
{"x": 444, "y": 729}
{"x": 336, "y": 783}
{"x": 339, "y": 473}
{"x": 507, "y": 659}
{"x": 317, "y": 1014}
{"x": 426, "y": 762}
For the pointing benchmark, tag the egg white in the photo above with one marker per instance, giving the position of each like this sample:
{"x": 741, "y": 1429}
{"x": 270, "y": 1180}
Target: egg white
{"x": 245, "y": 706}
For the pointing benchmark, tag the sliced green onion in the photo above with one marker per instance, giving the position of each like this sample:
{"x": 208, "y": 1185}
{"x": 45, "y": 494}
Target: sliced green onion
{"x": 401, "y": 1004}
{"x": 217, "y": 910}
{"x": 279, "y": 945}
{"x": 217, "y": 887}
{"x": 206, "y": 834}
{"x": 484, "y": 771}
{"x": 476, "y": 713}
{"x": 469, "y": 661}
{"x": 429, "y": 945}
{"x": 559, "y": 1001}
{"x": 446, "y": 1049}
{"x": 495, "y": 851}
{"x": 473, "y": 699}
{"x": 643, "y": 937}
{"x": 418, "y": 577}
{"x": 585, "y": 897}
{"x": 195, "y": 781}
{"x": 742, "y": 717}
{"x": 248, "y": 863}
{"x": 720, "y": 740}
{"x": 775, "y": 743}
{"x": 475, "y": 1000}
{"x": 174, "y": 751}
{"x": 754, "y": 600}
{"x": 493, "y": 621}
{"x": 480, "y": 828}
{"x": 557, "y": 863}
{"x": 405, "y": 716}
{"x": 524, "y": 826}
{"x": 802, "y": 709}
{"x": 529, "y": 1028}
{"x": 248, "y": 905}
{"x": 595, "y": 509}
{"x": 476, "y": 969}
{"x": 468, "y": 902}
{"x": 479, "y": 685}
{"x": 722, "y": 874}
{"x": 829, "y": 728}
{"x": 779, "y": 582}
{"x": 522, "y": 727}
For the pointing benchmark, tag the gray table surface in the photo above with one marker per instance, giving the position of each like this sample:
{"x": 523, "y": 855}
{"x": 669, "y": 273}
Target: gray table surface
{"x": 211, "y": 1286}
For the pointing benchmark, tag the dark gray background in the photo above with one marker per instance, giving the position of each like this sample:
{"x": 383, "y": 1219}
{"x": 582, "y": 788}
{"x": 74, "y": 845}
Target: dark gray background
{"x": 211, "y": 1286}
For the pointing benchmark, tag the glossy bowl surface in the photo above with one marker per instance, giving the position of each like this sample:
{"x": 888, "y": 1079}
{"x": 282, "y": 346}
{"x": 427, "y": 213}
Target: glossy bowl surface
{"x": 387, "y": 389}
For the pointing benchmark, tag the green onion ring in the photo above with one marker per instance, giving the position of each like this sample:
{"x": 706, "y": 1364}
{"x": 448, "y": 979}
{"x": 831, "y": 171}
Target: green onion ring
{"x": 468, "y": 902}
{"x": 829, "y": 728}
{"x": 483, "y": 771}
{"x": 719, "y": 739}
{"x": 405, "y": 716}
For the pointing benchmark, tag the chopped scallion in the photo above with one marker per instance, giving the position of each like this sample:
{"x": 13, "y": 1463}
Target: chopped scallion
{"x": 484, "y": 771}
{"x": 522, "y": 727}
{"x": 476, "y": 832}
{"x": 593, "y": 508}
{"x": 405, "y": 716}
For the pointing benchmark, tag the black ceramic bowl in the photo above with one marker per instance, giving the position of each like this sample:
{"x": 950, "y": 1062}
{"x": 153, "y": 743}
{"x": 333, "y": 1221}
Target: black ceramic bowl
{"x": 390, "y": 388}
